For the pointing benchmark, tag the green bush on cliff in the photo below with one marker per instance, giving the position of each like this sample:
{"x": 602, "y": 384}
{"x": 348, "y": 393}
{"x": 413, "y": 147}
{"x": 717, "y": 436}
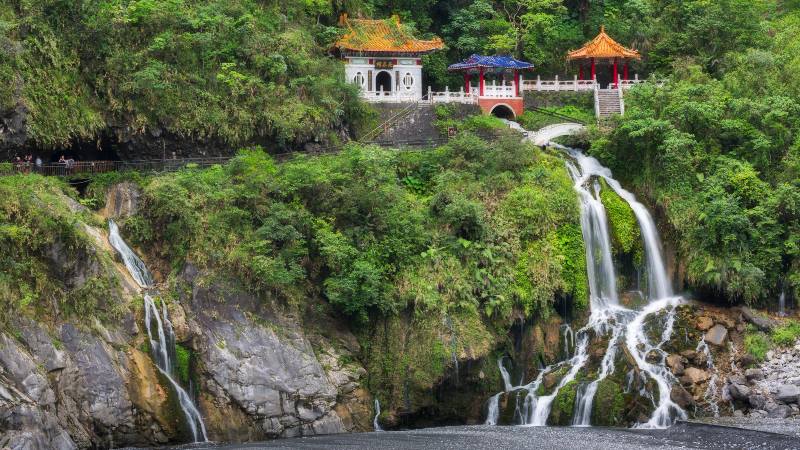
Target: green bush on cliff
{"x": 625, "y": 232}
{"x": 43, "y": 248}
{"x": 375, "y": 242}
{"x": 183, "y": 358}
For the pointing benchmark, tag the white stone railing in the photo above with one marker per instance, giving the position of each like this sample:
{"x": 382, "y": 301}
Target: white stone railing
{"x": 380, "y": 96}
{"x": 571, "y": 85}
{"x": 451, "y": 97}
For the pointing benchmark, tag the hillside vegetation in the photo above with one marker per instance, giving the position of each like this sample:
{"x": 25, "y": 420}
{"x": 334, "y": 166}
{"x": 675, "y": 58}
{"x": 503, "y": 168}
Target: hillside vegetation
{"x": 720, "y": 155}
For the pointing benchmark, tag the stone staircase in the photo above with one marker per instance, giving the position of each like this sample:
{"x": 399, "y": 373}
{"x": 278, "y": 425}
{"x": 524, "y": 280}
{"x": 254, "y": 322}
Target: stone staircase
{"x": 608, "y": 102}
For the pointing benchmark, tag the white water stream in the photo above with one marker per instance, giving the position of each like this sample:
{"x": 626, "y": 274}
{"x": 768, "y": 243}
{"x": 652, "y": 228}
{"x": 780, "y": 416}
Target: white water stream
{"x": 623, "y": 326}
{"x": 375, "y": 424}
{"x": 162, "y": 340}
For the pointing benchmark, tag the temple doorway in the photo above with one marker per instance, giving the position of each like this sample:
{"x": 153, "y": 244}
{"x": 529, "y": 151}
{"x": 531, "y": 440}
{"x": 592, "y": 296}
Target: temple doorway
{"x": 383, "y": 81}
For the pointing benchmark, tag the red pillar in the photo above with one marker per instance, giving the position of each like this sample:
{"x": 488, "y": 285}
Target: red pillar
{"x": 616, "y": 74}
{"x": 466, "y": 82}
{"x": 580, "y": 71}
{"x": 516, "y": 83}
{"x": 625, "y": 71}
{"x": 594, "y": 74}
{"x": 481, "y": 81}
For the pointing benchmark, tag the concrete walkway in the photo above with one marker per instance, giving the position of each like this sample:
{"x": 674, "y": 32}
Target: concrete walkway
{"x": 680, "y": 436}
{"x": 550, "y": 132}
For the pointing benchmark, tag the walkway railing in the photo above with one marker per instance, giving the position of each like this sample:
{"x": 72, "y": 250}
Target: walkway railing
{"x": 78, "y": 168}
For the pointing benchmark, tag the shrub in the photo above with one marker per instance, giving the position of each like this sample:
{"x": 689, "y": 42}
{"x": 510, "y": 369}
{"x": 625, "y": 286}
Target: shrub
{"x": 757, "y": 344}
{"x": 786, "y": 334}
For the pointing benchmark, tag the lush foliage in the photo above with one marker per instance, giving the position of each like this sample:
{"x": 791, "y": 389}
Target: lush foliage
{"x": 718, "y": 154}
{"x": 786, "y": 334}
{"x": 469, "y": 226}
{"x": 224, "y": 70}
{"x": 42, "y": 238}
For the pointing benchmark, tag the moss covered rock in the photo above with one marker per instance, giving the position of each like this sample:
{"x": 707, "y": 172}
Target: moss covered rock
{"x": 563, "y": 405}
{"x": 608, "y": 408}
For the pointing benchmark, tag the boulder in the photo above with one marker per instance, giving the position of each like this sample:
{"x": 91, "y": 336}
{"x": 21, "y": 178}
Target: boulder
{"x": 694, "y": 375}
{"x": 779, "y": 412}
{"x": 681, "y": 397}
{"x": 704, "y": 323}
{"x": 675, "y": 362}
{"x": 746, "y": 360}
{"x": 716, "y": 335}
{"x": 757, "y": 401}
{"x": 739, "y": 392}
{"x": 762, "y": 323}
{"x": 787, "y": 393}
{"x": 754, "y": 374}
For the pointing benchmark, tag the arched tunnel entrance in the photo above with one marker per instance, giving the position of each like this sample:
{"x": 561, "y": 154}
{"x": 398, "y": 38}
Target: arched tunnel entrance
{"x": 503, "y": 112}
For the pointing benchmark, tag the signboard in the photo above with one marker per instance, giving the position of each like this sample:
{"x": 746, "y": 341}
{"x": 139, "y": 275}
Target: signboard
{"x": 384, "y": 64}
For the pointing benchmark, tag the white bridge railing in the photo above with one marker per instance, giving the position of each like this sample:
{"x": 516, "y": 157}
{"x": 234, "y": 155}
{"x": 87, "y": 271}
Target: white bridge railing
{"x": 493, "y": 90}
{"x": 571, "y": 85}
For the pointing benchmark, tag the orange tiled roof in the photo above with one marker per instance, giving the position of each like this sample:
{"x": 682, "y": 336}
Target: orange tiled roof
{"x": 387, "y": 36}
{"x": 603, "y": 47}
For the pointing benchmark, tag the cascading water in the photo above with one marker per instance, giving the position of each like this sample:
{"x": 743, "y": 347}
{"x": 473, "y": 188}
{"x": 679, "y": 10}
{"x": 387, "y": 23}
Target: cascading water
{"x": 375, "y": 424}
{"x": 782, "y": 304}
{"x": 162, "y": 339}
{"x": 133, "y": 263}
{"x": 623, "y": 326}
{"x": 712, "y": 395}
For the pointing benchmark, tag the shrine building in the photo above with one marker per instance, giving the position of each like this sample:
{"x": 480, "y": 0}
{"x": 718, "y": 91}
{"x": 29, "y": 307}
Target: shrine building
{"x": 383, "y": 59}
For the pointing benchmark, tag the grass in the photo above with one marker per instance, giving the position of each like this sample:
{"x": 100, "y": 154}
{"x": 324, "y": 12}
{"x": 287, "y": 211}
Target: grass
{"x": 786, "y": 334}
{"x": 757, "y": 344}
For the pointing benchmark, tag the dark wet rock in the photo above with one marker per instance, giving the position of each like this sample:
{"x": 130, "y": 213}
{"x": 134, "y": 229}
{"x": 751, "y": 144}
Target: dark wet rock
{"x": 757, "y": 401}
{"x": 754, "y": 374}
{"x": 787, "y": 393}
{"x": 681, "y": 397}
{"x": 716, "y": 335}
{"x": 747, "y": 360}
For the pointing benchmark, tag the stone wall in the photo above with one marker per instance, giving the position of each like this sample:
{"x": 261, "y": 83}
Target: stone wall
{"x": 418, "y": 125}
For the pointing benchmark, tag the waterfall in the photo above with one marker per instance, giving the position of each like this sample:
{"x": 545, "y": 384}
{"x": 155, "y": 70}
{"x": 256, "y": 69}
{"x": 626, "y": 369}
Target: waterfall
{"x": 782, "y": 304}
{"x": 658, "y": 284}
{"x": 504, "y": 374}
{"x": 623, "y": 326}
{"x": 493, "y": 411}
{"x": 133, "y": 263}
{"x": 712, "y": 394}
{"x": 162, "y": 341}
{"x": 375, "y": 424}
{"x": 569, "y": 338}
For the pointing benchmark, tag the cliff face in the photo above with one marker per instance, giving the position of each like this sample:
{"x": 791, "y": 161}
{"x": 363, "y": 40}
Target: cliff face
{"x": 82, "y": 382}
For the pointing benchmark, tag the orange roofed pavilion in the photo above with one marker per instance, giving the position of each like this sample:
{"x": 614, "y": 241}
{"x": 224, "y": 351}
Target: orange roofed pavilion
{"x": 604, "y": 49}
